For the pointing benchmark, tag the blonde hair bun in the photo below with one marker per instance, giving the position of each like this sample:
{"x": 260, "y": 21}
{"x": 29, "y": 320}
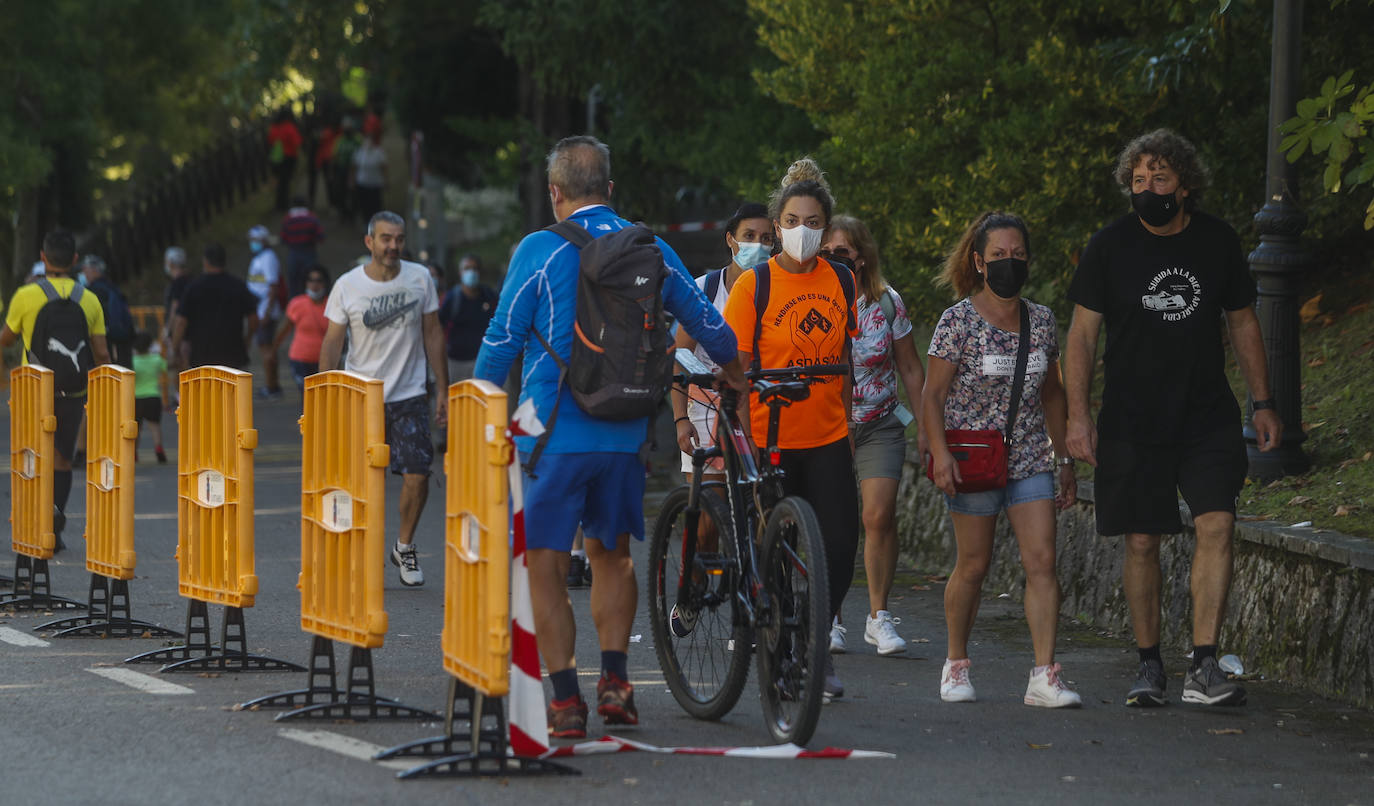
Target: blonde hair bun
{"x": 802, "y": 170}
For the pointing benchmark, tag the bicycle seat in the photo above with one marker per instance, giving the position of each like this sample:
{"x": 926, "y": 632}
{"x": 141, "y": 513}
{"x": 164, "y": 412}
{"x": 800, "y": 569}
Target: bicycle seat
{"x": 792, "y": 390}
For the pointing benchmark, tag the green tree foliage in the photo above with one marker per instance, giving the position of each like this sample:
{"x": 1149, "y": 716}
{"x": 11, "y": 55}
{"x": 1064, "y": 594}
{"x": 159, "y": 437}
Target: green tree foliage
{"x": 1337, "y": 123}
{"x": 938, "y": 109}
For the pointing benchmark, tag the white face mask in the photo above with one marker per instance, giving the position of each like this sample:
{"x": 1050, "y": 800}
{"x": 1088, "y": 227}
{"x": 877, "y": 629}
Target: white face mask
{"x": 751, "y": 254}
{"x": 801, "y": 242}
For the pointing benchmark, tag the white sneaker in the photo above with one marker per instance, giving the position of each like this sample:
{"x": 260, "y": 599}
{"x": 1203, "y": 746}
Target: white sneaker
{"x": 403, "y": 557}
{"x": 880, "y": 632}
{"x": 954, "y": 683}
{"x": 837, "y": 632}
{"x": 1047, "y": 690}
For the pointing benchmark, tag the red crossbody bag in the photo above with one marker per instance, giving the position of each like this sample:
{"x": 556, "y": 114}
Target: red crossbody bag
{"x": 982, "y": 454}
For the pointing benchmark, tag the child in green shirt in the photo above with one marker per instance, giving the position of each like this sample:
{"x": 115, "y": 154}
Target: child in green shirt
{"x": 150, "y": 391}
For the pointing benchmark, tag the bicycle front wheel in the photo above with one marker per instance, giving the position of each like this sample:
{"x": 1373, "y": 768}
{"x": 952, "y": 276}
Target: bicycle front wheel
{"x": 702, "y": 646}
{"x": 792, "y": 639}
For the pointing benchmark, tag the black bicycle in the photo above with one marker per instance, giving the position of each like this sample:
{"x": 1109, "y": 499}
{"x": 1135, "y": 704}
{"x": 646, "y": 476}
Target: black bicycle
{"x": 735, "y": 566}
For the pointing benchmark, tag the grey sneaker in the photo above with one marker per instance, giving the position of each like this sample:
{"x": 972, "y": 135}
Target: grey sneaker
{"x": 833, "y": 687}
{"x": 403, "y": 557}
{"x": 1209, "y": 685}
{"x": 1148, "y": 691}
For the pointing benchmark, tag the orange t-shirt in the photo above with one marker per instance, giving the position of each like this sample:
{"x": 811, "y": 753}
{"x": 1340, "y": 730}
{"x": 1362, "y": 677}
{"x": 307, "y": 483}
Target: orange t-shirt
{"x": 805, "y": 323}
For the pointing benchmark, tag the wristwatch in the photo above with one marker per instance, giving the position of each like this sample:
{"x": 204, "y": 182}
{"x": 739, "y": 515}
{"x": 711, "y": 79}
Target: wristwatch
{"x": 1267, "y": 403}
{"x": 1064, "y": 461}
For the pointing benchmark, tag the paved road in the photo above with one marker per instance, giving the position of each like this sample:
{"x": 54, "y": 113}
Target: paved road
{"x": 72, "y": 736}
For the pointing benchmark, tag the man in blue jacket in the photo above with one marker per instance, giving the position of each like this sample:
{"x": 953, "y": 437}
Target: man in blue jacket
{"x": 590, "y": 473}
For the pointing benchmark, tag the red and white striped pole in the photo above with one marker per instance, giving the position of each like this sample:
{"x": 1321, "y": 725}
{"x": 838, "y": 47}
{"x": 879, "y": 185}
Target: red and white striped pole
{"x": 528, "y": 723}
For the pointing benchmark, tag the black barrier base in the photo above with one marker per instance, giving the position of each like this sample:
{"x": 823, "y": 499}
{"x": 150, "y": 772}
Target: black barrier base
{"x": 32, "y": 588}
{"x": 197, "y": 638}
{"x": 234, "y": 657}
{"x": 322, "y": 699}
{"x": 485, "y": 743}
{"x": 108, "y": 617}
{"x": 6, "y": 581}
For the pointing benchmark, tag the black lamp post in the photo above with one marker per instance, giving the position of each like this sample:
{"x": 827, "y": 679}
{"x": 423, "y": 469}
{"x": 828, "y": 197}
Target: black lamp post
{"x": 1279, "y": 260}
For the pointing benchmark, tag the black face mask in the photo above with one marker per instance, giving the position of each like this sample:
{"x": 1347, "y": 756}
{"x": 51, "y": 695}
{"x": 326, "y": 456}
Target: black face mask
{"x": 1006, "y": 276}
{"x": 1154, "y": 209}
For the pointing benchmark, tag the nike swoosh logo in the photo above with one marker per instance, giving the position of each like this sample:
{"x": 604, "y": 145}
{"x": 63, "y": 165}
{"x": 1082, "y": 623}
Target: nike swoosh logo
{"x": 380, "y": 319}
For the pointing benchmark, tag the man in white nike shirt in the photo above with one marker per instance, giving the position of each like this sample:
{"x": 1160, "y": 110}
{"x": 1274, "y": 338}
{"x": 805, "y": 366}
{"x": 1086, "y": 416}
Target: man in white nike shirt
{"x": 389, "y": 309}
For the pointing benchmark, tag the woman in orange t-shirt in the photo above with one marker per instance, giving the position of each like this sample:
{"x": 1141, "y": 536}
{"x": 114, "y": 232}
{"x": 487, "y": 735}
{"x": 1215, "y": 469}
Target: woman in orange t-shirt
{"x": 808, "y": 319}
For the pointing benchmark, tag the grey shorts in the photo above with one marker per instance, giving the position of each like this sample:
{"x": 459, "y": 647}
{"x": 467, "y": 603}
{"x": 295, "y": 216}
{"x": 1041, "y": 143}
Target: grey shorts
{"x": 407, "y": 433}
{"x": 880, "y": 448}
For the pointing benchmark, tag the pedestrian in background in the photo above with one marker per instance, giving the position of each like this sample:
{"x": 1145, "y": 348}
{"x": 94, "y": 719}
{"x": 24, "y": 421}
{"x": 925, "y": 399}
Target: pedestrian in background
{"x": 971, "y": 385}
{"x": 151, "y": 393}
{"x": 884, "y": 351}
{"x": 368, "y": 178}
{"x": 301, "y": 233}
{"x": 283, "y": 144}
{"x": 465, "y": 312}
{"x": 217, "y": 317}
{"x": 265, "y": 281}
{"x": 305, "y": 324}
{"x": 119, "y": 321}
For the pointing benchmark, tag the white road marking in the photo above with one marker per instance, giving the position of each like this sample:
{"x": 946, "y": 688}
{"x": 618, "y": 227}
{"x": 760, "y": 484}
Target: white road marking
{"x": 12, "y": 636}
{"x": 140, "y": 681}
{"x": 345, "y": 746}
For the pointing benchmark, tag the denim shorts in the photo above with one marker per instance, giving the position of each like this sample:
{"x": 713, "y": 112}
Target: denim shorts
{"x": 1017, "y": 491}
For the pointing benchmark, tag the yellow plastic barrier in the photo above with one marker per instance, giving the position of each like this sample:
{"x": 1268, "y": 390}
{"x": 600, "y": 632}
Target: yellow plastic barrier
{"x": 148, "y": 317}
{"x": 215, "y": 487}
{"x": 476, "y": 636}
{"x": 344, "y": 456}
{"x": 32, "y": 424}
{"x": 111, "y": 432}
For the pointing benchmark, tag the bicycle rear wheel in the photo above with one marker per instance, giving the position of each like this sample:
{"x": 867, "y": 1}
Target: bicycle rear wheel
{"x": 704, "y": 652}
{"x": 792, "y": 641}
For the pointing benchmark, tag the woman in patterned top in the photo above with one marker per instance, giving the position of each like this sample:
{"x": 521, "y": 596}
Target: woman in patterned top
{"x": 883, "y": 351}
{"x": 972, "y": 364}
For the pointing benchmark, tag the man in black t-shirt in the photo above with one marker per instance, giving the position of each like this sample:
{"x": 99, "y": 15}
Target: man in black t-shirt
{"x": 464, "y": 312}
{"x": 1163, "y": 279}
{"x": 212, "y": 316}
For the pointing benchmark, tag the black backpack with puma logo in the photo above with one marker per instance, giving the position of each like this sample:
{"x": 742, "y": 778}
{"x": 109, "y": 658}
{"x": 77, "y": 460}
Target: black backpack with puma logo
{"x": 61, "y": 340}
{"x": 621, "y": 363}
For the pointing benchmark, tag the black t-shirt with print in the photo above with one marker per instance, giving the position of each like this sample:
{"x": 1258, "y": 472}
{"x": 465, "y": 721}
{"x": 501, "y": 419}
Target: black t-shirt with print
{"x": 1163, "y": 299}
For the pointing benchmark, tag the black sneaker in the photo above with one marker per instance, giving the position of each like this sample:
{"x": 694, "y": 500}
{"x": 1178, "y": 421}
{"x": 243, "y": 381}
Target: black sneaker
{"x": 1148, "y": 691}
{"x": 59, "y": 522}
{"x": 579, "y": 575}
{"x": 1209, "y": 685}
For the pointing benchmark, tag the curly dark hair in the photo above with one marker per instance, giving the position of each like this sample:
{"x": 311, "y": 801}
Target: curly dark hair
{"x": 1174, "y": 149}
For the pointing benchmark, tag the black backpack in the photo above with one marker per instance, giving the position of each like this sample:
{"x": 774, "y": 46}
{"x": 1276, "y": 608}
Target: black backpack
{"x": 61, "y": 341}
{"x": 621, "y": 363}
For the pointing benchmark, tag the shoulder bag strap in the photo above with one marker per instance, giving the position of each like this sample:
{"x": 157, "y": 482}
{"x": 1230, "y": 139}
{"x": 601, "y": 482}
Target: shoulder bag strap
{"x": 1022, "y": 355}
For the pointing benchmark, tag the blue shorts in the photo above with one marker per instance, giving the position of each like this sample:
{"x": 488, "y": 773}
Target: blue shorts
{"x": 601, "y": 492}
{"x": 991, "y": 502}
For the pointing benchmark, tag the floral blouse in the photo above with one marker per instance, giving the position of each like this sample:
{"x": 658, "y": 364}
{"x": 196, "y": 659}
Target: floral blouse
{"x": 875, "y": 371}
{"x": 985, "y": 361}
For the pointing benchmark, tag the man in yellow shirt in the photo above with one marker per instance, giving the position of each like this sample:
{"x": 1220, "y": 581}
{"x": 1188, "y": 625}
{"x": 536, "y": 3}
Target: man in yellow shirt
{"x": 59, "y": 255}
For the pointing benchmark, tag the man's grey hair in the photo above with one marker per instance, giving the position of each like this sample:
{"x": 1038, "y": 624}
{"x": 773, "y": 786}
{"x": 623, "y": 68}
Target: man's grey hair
{"x": 580, "y": 167}
{"x": 174, "y": 256}
{"x": 93, "y": 262}
{"x": 384, "y": 216}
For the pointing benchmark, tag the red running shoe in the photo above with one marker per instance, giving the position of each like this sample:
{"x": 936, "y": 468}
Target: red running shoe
{"x": 615, "y": 701}
{"x": 568, "y": 718}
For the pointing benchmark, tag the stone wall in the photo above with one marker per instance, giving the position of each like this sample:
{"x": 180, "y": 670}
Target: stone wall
{"x": 1302, "y": 600}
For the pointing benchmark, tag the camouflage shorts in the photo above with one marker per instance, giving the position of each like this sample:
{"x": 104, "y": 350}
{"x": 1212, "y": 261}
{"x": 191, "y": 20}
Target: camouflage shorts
{"x": 407, "y": 432}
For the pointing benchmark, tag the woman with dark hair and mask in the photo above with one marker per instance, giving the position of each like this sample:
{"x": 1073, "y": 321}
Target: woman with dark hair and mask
{"x": 807, "y": 319}
{"x": 969, "y": 385}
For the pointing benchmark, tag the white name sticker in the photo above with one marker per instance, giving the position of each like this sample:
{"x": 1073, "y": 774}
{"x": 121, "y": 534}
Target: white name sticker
{"x": 336, "y": 511}
{"x": 1006, "y": 364}
{"x": 210, "y": 488}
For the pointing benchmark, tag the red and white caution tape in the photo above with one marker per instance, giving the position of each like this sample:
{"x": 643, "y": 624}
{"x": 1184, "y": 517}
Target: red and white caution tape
{"x": 528, "y": 724}
{"x": 616, "y": 744}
